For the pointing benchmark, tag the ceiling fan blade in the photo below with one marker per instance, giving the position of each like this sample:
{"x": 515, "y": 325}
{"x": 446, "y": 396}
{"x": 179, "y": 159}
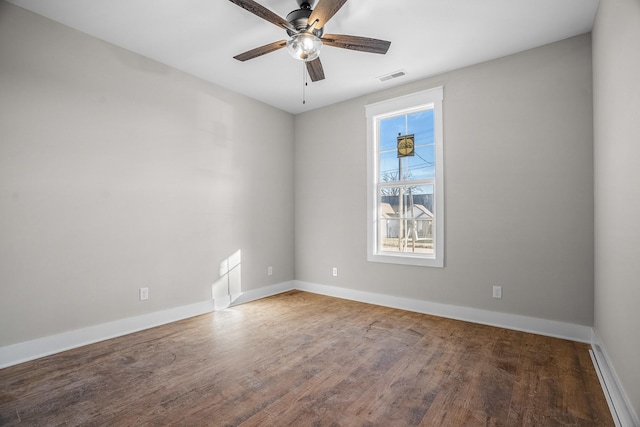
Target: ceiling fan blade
{"x": 363, "y": 44}
{"x": 325, "y": 11}
{"x": 264, "y": 13}
{"x": 262, "y": 50}
{"x": 314, "y": 68}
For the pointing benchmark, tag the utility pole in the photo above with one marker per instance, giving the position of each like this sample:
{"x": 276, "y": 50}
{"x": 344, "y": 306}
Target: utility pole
{"x": 405, "y": 148}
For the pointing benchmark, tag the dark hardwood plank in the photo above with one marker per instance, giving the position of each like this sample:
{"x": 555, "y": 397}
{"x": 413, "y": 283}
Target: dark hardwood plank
{"x": 305, "y": 359}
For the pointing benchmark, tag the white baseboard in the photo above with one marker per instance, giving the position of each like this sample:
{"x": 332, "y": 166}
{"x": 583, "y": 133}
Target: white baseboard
{"x": 29, "y": 350}
{"x": 516, "y": 322}
{"x": 22, "y": 352}
{"x": 619, "y": 404}
{"x": 267, "y": 291}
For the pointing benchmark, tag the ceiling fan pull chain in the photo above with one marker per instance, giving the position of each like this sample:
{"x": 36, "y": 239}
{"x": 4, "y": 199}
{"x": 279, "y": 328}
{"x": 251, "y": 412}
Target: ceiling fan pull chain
{"x": 304, "y": 82}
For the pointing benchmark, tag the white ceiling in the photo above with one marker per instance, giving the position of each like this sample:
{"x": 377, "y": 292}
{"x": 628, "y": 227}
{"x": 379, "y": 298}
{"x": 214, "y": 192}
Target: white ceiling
{"x": 428, "y": 37}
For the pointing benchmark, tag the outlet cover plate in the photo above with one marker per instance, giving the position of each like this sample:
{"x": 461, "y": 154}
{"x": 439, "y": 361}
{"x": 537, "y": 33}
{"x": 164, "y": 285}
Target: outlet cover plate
{"x": 497, "y": 292}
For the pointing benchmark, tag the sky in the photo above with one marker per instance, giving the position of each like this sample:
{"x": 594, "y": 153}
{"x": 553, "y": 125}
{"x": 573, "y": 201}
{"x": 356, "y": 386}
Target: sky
{"x": 420, "y": 166}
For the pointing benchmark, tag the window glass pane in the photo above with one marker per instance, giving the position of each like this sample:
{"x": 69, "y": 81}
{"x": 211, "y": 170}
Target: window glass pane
{"x": 406, "y": 220}
{"x": 420, "y": 165}
{"x": 405, "y": 164}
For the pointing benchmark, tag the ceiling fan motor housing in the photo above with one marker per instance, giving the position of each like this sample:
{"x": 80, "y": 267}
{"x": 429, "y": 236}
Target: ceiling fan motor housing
{"x": 305, "y": 4}
{"x": 300, "y": 18}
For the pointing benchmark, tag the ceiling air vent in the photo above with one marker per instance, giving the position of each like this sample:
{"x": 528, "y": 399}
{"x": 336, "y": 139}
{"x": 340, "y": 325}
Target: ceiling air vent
{"x": 393, "y": 75}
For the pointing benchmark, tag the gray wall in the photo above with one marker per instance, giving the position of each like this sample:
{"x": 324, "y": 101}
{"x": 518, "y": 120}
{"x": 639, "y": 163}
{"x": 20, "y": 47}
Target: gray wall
{"x": 518, "y": 189}
{"x": 616, "y": 71}
{"x": 117, "y": 172}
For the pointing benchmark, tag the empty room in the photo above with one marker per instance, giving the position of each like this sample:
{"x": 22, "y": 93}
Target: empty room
{"x": 327, "y": 213}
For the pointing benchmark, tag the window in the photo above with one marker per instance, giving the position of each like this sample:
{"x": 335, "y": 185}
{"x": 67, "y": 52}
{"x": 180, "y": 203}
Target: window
{"x": 405, "y": 177}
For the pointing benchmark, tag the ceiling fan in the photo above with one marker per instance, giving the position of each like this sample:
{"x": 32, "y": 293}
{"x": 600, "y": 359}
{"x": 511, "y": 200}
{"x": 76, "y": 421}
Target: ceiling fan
{"x": 305, "y": 26}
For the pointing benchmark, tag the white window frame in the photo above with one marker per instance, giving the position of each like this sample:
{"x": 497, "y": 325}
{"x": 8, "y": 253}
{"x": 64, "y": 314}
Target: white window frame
{"x": 380, "y": 110}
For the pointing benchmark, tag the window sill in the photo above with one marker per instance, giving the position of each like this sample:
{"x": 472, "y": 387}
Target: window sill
{"x": 406, "y": 259}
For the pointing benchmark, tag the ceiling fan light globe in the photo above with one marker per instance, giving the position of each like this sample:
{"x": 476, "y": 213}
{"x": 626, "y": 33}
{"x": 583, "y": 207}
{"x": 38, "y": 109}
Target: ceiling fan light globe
{"x": 305, "y": 47}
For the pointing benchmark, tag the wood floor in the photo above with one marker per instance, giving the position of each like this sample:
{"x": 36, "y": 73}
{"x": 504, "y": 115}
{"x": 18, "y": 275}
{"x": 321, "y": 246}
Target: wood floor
{"x": 308, "y": 360}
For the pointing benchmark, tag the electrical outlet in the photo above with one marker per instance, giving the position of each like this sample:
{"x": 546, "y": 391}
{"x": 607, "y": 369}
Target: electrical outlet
{"x": 335, "y": 271}
{"x": 270, "y": 271}
{"x": 497, "y": 292}
{"x": 144, "y": 294}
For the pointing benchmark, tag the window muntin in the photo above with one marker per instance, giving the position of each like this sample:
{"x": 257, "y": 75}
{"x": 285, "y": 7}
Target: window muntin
{"x": 405, "y": 193}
